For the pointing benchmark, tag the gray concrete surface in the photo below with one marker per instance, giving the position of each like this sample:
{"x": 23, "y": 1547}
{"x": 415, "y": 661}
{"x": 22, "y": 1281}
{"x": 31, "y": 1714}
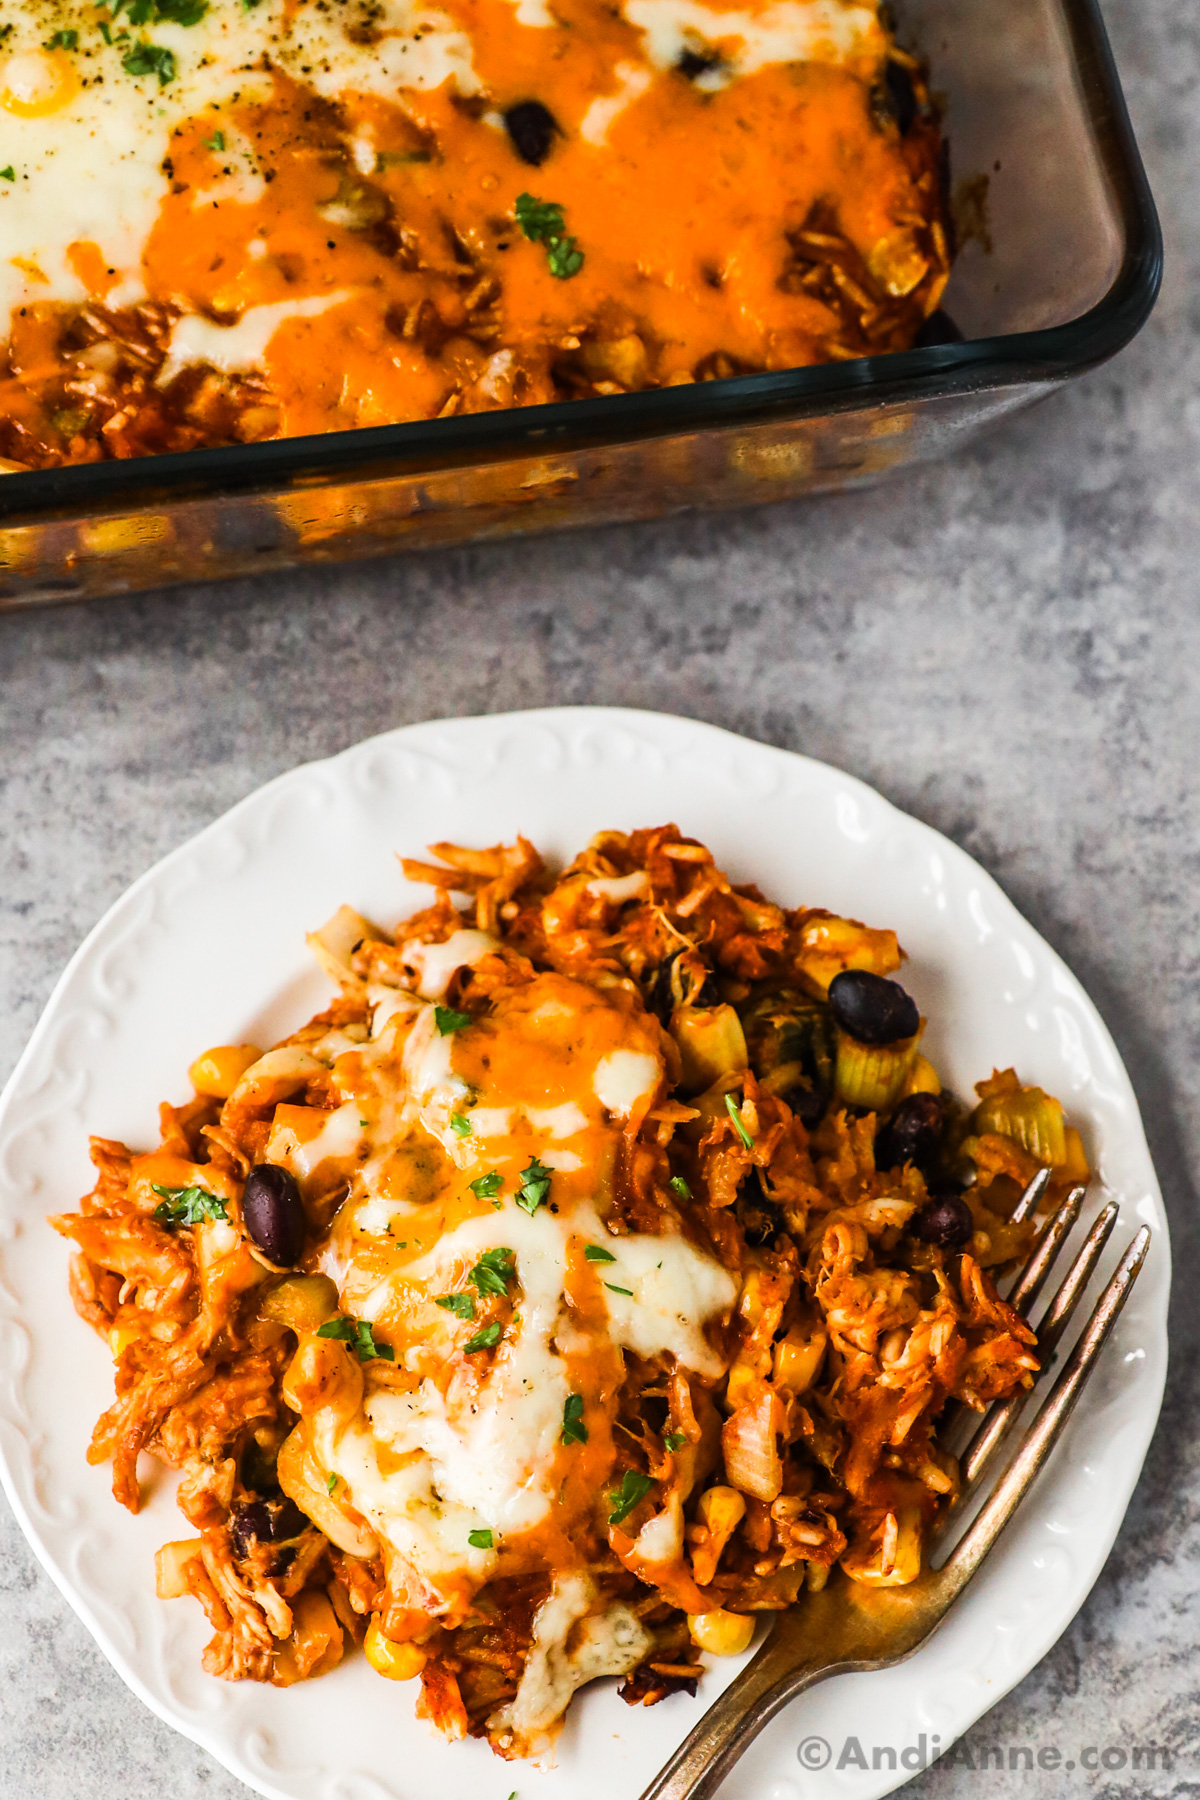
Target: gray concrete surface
{"x": 1008, "y": 647}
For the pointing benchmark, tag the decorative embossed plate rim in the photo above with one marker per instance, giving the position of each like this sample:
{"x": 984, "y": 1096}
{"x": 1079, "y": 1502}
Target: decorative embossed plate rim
{"x": 208, "y": 947}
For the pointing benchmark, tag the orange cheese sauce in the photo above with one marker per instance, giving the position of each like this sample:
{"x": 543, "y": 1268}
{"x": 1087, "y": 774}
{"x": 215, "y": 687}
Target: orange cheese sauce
{"x": 682, "y": 217}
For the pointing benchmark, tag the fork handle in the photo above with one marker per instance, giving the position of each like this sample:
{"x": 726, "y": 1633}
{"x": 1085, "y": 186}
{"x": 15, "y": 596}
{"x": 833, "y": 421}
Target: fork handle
{"x": 710, "y": 1750}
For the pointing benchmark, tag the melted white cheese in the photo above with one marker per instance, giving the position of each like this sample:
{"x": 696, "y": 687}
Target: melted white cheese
{"x": 339, "y": 1136}
{"x": 624, "y": 1078}
{"x": 535, "y": 13}
{"x": 429, "y": 1072}
{"x": 435, "y": 965}
{"x": 470, "y": 1447}
{"x": 674, "y": 1288}
{"x": 240, "y": 346}
{"x": 491, "y": 1459}
{"x": 596, "y": 121}
{"x": 829, "y": 31}
{"x": 387, "y": 1003}
{"x": 607, "y": 1643}
{"x": 564, "y": 1121}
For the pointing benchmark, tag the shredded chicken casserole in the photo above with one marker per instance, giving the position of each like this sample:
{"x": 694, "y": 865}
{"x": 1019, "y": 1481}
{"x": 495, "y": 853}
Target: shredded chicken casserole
{"x": 227, "y": 221}
{"x": 587, "y": 1279}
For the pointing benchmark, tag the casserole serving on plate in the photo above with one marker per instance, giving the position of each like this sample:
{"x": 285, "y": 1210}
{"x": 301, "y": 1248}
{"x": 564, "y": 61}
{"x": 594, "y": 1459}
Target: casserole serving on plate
{"x": 208, "y": 949}
{"x": 586, "y": 1280}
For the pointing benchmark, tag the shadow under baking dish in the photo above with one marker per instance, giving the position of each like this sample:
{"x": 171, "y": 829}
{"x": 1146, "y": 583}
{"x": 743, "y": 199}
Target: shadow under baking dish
{"x": 1064, "y": 271}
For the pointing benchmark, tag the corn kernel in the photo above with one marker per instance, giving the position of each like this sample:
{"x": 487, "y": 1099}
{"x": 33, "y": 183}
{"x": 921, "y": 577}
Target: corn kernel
{"x": 752, "y": 1304}
{"x": 721, "y": 1511}
{"x": 923, "y": 1078}
{"x": 119, "y": 1339}
{"x": 1075, "y": 1168}
{"x": 399, "y": 1662}
{"x": 722, "y": 1633}
{"x": 219, "y": 1070}
{"x": 171, "y": 1565}
{"x": 895, "y": 1559}
{"x": 798, "y": 1358}
{"x": 742, "y": 1379}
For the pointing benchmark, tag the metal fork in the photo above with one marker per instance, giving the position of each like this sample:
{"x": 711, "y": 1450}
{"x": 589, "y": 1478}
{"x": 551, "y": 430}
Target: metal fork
{"x": 848, "y": 1627}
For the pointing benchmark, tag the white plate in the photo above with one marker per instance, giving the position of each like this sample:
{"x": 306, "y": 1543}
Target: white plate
{"x": 209, "y": 948}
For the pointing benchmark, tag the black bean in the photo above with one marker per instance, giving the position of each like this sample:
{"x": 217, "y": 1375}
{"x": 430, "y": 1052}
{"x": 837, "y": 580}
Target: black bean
{"x": 274, "y": 1214}
{"x": 807, "y": 1103}
{"x": 662, "y": 998}
{"x": 945, "y": 1221}
{"x": 871, "y": 1008}
{"x": 901, "y": 95}
{"x": 265, "y": 1522}
{"x": 257, "y": 1469}
{"x": 697, "y": 62}
{"x": 532, "y": 127}
{"x": 757, "y": 1212}
{"x": 913, "y": 1134}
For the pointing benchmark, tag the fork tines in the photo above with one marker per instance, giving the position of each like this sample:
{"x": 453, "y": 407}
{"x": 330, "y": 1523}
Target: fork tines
{"x": 1036, "y": 1446}
{"x": 997, "y": 1423}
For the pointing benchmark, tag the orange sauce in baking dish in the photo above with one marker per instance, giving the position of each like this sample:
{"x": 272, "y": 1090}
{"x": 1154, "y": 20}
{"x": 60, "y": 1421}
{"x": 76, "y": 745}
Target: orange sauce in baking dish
{"x": 381, "y": 227}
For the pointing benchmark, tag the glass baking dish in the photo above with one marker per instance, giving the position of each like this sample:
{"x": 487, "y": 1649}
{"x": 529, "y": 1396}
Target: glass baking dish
{"x": 1060, "y": 268}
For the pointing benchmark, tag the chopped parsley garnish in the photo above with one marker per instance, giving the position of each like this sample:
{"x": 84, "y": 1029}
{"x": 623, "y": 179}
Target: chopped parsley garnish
{"x": 597, "y": 1253}
{"x": 735, "y": 1115}
{"x": 9, "y": 174}
{"x": 63, "y": 40}
{"x": 105, "y": 33}
{"x": 358, "y": 1333}
{"x": 485, "y": 1338}
{"x": 540, "y": 220}
{"x": 460, "y": 1125}
{"x": 543, "y": 222}
{"x": 487, "y": 1185}
{"x": 181, "y": 12}
{"x": 217, "y": 142}
{"x": 679, "y": 1186}
{"x": 535, "y": 1185}
{"x": 447, "y": 1020}
{"x": 147, "y": 12}
{"x": 674, "y": 1440}
{"x": 331, "y": 1482}
{"x": 574, "y": 1431}
{"x": 479, "y": 1540}
{"x": 493, "y": 1272}
{"x": 613, "y": 1289}
{"x": 151, "y": 59}
{"x": 634, "y": 1487}
{"x": 187, "y": 1206}
{"x": 461, "y": 1305}
{"x": 564, "y": 258}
